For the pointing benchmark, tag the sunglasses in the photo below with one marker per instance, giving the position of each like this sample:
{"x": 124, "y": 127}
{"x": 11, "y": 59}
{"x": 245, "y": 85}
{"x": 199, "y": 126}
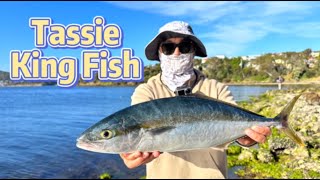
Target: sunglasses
{"x": 184, "y": 47}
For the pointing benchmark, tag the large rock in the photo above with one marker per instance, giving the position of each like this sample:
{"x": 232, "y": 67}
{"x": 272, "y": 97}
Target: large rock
{"x": 304, "y": 164}
{"x": 246, "y": 155}
{"x": 265, "y": 156}
{"x": 278, "y": 145}
{"x": 297, "y": 153}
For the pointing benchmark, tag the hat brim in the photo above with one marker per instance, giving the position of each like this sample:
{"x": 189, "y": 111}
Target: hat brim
{"x": 151, "y": 49}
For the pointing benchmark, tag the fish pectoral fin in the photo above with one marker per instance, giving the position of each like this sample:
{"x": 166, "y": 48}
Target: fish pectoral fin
{"x": 200, "y": 94}
{"x": 224, "y": 146}
{"x": 160, "y": 130}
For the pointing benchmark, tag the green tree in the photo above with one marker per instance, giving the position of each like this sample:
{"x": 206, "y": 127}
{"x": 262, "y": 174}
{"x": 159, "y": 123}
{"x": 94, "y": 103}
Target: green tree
{"x": 150, "y": 71}
{"x": 306, "y": 53}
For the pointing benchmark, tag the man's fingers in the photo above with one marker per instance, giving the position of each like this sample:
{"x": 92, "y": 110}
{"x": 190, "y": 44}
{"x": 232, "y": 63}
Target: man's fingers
{"x": 133, "y": 160}
{"x": 262, "y": 130}
{"x": 255, "y": 136}
{"x": 246, "y": 141}
{"x": 132, "y": 156}
{"x": 156, "y": 153}
{"x": 140, "y": 160}
{"x": 145, "y": 155}
{"x": 149, "y": 159}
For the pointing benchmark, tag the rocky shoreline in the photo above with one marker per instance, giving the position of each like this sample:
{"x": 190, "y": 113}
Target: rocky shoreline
{"x": 279, "y": 157}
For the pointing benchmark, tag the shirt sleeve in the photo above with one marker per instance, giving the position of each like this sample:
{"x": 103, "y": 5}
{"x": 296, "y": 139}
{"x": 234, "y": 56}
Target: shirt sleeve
{"x": 141, "y": 94}
{"x": 219, "y": 91}
{"x": 224, "y": 94}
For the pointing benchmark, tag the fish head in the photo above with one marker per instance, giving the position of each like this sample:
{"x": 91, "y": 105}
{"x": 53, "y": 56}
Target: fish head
{"x": 110, "y": 135}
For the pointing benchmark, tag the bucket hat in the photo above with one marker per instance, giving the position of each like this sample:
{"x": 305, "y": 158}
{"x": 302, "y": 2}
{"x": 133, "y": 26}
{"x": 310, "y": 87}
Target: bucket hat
{"x": 170, "y": 30}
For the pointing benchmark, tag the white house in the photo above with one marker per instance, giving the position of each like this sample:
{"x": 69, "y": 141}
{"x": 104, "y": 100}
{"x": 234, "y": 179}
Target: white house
{"x": 315, "y": 54}
{"x": 250, "y": 64}
{"x": 279, "y": 61}
{"x": 204, "y": 60}
{"x": 250, "y": 57}
{"x": 220, "y": 56}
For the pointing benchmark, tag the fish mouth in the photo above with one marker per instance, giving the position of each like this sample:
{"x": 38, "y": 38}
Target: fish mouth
{"x": 84, "y": 144}
{"x": 89, "y": 146}
{"x": 80, "y": 138}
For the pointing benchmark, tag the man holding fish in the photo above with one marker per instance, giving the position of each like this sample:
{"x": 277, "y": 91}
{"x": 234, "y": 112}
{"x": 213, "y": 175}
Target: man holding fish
{"x": 175, "y": 47}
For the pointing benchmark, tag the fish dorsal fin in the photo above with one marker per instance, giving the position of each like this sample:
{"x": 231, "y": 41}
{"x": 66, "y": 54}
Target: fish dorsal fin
{"x": 224, "y": 145}
{"x": 200, "y": 94}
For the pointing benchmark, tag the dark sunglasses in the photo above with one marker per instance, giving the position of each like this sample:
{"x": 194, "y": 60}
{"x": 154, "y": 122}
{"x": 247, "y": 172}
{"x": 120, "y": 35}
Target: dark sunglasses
{"x": 184, "y": 47}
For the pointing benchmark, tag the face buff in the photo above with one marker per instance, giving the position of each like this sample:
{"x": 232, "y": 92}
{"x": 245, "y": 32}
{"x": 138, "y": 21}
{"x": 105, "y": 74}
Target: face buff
{"x": 176, "y": 70}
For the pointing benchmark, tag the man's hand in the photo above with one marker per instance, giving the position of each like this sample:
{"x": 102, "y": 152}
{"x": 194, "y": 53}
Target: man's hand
{"x": 133, "y": 160}
{"x": 255, "y": 134}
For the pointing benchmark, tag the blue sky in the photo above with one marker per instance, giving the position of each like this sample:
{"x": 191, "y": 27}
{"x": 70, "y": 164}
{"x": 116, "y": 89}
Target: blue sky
{"x": 226, "y": 28}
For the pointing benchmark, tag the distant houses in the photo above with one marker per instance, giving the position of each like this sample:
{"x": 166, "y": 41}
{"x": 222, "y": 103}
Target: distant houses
{"x": 279, "y": 61}
{"x": 4, "y": 82}
{"x": 204, "y": 60}
{"x": 311, "y": 61}
{"x": 248, "y": 58}
{"x": 220, "y": 56}
{"x": 315, "y": 54}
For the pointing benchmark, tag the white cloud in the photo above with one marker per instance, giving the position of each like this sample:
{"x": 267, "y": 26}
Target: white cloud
{"x": 199, "y": 9}
{"x": 306, "y": 29}
{"x": 233, "y": 26}
{"x": 282, "y": 7}
{"x": 233, "y": 38}
{"x": 222, "y": 48}
{"x": 241, "y": 32}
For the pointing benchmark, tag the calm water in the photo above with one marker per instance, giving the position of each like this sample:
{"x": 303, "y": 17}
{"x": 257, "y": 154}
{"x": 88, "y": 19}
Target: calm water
{"x": 39, "y": 127}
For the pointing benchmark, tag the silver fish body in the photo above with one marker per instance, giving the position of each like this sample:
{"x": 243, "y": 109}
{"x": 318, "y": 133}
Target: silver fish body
{"x": 175, "y": 124}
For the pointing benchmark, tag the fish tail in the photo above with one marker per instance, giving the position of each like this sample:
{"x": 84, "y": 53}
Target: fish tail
{"x": 285, "y": 126}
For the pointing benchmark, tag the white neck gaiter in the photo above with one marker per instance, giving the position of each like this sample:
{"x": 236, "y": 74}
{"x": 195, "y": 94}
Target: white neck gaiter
{"x": 176, "y": 70}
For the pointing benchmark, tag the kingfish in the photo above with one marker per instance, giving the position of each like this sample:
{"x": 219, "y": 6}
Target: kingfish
{"x": 178, "y": 123}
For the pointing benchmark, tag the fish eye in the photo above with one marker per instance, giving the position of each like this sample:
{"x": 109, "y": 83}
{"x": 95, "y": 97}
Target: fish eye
{"x": 107, "y": 134}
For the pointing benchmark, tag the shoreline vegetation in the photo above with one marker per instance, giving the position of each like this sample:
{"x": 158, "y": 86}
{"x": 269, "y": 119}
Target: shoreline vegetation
{"x": 294, "y": 68}
{"x": 133, "y": 84}
{"x": 97, "y": 83}
{"x": 110, "y": 84}
{"x": 308, "y": 81}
